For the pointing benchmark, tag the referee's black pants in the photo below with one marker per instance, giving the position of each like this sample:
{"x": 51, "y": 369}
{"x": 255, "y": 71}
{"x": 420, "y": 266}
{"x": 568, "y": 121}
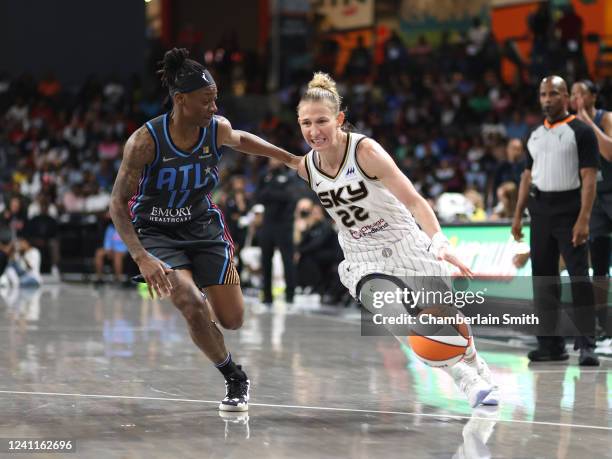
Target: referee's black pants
{"x": 553, "y": 216}
{"x": 270, "y": 237}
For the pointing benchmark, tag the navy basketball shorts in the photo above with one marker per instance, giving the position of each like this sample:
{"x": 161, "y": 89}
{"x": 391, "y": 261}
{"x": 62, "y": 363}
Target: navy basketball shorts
{"x": 205, "y": 248}
{"x": 601, "y": 216}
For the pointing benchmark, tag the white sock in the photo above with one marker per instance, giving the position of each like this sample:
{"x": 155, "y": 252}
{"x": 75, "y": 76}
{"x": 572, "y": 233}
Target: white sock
{"x": 471, "y": 354}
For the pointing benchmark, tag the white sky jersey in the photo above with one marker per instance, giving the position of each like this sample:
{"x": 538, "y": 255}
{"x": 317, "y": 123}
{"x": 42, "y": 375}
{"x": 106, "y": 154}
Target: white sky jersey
{"x": 377, "y": 232}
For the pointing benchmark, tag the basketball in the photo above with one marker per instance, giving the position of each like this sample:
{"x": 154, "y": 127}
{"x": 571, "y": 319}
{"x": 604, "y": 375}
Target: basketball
{"x": 440, "y": 337}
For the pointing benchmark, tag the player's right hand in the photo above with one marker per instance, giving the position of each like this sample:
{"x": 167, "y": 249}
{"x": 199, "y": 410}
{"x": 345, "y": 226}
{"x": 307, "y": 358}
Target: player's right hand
{"x": 520, "y": 259}
{"x": 155, "y": 274}
{"x": 517, "y": 229}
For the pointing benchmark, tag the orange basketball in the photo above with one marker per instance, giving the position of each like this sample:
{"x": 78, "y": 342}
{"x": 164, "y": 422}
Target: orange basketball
{"x": 439, "y": 338}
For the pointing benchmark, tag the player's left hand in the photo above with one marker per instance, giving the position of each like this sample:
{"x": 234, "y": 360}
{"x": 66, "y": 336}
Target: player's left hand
{"x": 294, "y": 162}
{"x": 446, "y": 254}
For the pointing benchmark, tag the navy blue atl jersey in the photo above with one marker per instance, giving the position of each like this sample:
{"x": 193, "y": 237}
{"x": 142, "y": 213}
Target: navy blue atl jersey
{"x": 175, "y": 188}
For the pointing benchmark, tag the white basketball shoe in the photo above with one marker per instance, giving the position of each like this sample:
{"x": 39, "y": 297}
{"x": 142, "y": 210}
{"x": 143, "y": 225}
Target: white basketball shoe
{"x": 483, "y": 371}
{"x": 475, "y": 388}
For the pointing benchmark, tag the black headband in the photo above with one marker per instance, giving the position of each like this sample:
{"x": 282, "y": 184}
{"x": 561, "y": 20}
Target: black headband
{"x": 192, "y": 81}
{"x": 592, "y": 87}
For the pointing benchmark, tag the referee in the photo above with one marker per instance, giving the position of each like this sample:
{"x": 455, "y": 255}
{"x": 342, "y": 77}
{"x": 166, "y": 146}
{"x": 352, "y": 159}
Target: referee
{"x": 558, "y": 187}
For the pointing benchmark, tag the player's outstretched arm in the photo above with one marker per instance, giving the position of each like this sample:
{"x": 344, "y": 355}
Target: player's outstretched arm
{"x": 376, "y": 162}
{"x": 139, "y": 151}
{"x": 246, "y": 142}
{"x": 604, "y": 136}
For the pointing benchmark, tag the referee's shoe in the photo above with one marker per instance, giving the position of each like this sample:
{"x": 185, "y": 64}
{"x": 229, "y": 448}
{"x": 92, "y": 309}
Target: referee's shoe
{"x": 546, "y": 355}
{"x": 587, "y": 357}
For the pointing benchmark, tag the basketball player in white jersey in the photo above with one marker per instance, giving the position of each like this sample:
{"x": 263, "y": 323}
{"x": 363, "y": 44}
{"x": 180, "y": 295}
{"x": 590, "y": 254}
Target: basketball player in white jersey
{"x": 375, "y": 206}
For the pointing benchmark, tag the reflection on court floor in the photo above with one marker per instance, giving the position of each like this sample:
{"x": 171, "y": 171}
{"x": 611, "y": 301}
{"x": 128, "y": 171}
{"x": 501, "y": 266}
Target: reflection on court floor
{"x": 117, "y": 373}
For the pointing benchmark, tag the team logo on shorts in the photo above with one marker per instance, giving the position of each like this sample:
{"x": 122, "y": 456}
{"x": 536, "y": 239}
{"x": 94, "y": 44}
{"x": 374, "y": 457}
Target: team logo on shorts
{"x": 387, "y": 252}
{"x": 170, "y": 215}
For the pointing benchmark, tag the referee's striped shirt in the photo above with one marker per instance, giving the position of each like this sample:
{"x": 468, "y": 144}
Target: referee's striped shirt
{"x": 558, "y": 151}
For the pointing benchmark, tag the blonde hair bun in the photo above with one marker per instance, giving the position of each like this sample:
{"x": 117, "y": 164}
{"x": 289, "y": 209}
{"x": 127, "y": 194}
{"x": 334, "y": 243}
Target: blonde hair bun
{"x": 323, "y": 81}
{"x": 322, "y": 88}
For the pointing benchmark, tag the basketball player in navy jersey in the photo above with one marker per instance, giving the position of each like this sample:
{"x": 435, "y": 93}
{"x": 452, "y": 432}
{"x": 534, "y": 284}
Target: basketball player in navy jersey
{"x": 583, "y": 99}
{"x": 162, "y": 209}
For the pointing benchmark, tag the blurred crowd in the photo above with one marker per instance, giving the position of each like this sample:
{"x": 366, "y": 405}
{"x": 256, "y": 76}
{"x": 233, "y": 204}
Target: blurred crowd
{"x": 443, "y": 112}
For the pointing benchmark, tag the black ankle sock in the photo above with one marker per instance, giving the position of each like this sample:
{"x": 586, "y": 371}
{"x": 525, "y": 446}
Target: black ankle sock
{"x": 230, "y": 370}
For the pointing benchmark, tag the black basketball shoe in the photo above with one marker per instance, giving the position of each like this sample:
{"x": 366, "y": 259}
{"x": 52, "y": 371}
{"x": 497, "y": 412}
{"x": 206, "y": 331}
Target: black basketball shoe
{"x": 236, "y": 393}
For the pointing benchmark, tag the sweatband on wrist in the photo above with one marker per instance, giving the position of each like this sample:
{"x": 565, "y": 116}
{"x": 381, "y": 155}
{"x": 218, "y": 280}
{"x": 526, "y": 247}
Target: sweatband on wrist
{"x": 438, "y": 241}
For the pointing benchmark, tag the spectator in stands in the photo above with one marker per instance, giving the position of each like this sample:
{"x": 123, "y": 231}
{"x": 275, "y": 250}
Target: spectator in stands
{"x": 250, "y": 255}
{"x": 30, "y": 185}
{"x": 569, "y": 29}
{"x": 74, "y": 133}
{"x": 97, "y": 199}
{"x": 540, "y": 23}
{"x": 477, "y": 35}
{"x": 109, "y": 148}
{"x": 237, "y": 204}
{"x": 492, "y": 128}
{"x": 49, "y": 86}
{"x": 449, "y": 176}
{"x": 327, "y": 55}
{"x": 42, "y": 232}
{"x": 114, "y": 250}
{"x": 475, "y": 174}
{"x": 18, "y": 112}
{"x": 276, "y": 193}
{"x": 507, "y": 196}
{"x": 26, "y": 264}
{"x": 15, "y": 215}
{"x": 479, "y": 214}
{"x": 72, "y": 200}
{"x": 318, "y": 254}
{"x": 541, "y": 26}
{"x": 105, "y": 174}
{"x": 516, "y": 127}
{"x": 359, "y": 65}
{"x": 453, "y": 207}
{"x": 510, "y": 168}
{"x": 6, "y": 249}
{"x": 491, "y": 55}
{"x": 36, "y": 207}
{"x": 395, "y": 58}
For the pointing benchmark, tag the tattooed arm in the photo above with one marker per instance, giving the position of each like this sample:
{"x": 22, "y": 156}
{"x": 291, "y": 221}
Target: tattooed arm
{"x": 139, "y": 151}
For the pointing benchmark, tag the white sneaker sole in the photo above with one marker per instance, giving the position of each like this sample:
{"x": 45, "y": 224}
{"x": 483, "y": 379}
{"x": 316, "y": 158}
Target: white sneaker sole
{"x": 480, "y": 396}
{"x": 224, "y": 407}
{"x": 492, "y": 399}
